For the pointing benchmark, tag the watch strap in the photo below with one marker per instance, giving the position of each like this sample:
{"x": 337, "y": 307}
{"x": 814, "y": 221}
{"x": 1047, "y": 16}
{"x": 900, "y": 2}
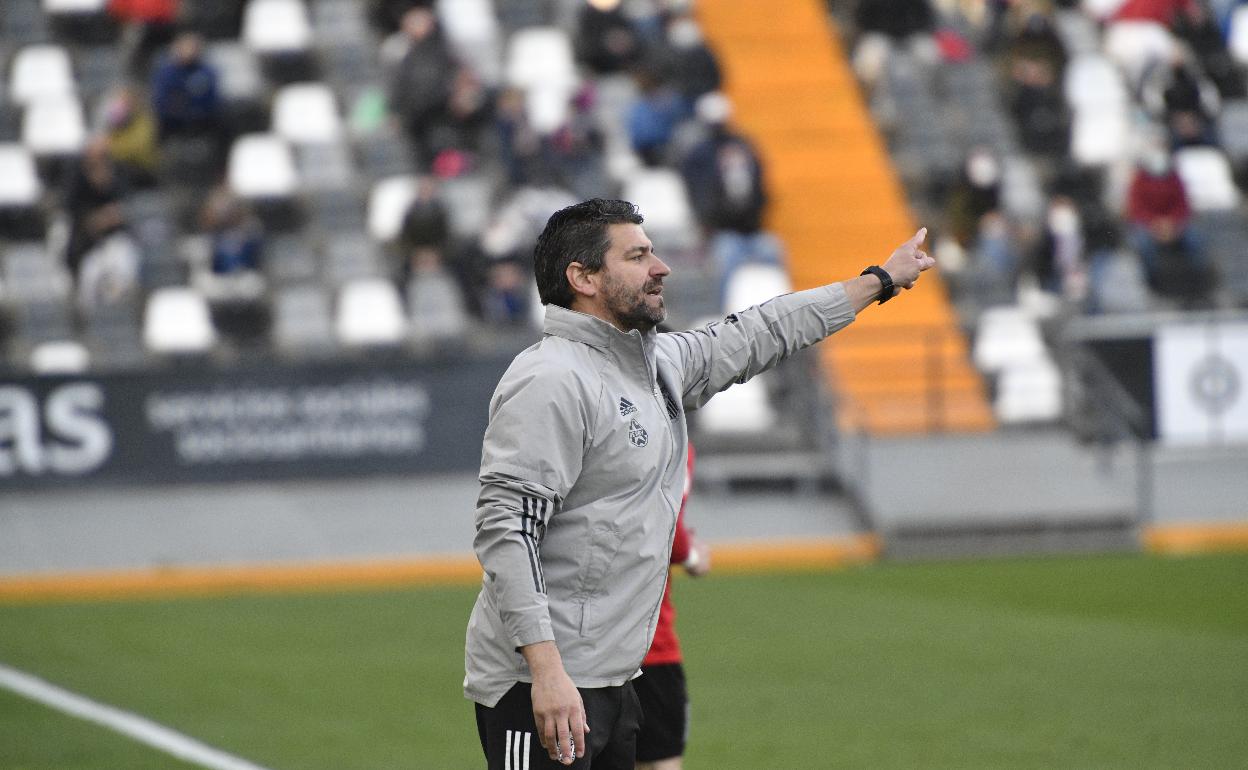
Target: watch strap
{"x": 886, "y": 282}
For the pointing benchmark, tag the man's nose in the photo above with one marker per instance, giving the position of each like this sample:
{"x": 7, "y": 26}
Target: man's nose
{"x": 660, "y": 269}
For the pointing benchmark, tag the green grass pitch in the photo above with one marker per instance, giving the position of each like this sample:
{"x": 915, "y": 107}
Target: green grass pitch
{"x": 1097, "y": 662}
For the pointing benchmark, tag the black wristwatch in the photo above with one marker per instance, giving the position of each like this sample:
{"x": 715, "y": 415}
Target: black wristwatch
{"x": 886, "y": 282}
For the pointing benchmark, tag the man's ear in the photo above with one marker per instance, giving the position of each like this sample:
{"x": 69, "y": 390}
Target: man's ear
{"x": 583, "y": 282}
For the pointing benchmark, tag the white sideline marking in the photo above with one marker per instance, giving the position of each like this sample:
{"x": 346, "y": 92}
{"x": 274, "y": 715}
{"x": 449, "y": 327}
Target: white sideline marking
{"x": 132, "y": 725}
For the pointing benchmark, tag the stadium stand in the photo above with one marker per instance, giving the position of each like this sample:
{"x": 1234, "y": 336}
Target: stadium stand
{"x": 261, "y": 160}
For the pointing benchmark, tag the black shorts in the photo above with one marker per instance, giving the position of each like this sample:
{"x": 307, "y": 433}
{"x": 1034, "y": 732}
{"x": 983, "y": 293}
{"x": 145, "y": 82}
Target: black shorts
{"x": 509, "y": 734}
{"x": 664, "y": 712}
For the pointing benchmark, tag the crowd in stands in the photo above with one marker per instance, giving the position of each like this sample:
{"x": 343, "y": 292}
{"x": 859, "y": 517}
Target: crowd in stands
{"x": 376, "y": 171}
{"x": 1115, "y": 181}
{"x": 317, "y": 175}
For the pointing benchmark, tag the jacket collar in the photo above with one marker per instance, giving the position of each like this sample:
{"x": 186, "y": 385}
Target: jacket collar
{"x": 590, "y": 330}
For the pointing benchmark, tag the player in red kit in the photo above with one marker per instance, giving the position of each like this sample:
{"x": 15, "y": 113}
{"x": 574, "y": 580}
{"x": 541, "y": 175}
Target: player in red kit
{"x": 661, "y": 687}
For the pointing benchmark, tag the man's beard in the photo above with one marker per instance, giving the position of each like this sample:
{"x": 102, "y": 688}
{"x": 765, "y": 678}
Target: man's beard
{"x": 630, "y": 307}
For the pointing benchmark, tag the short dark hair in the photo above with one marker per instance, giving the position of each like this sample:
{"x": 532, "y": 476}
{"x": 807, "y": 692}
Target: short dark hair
{"x": 576, "y": 234}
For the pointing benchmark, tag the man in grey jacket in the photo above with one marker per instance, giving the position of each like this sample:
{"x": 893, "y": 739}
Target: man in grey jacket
{"x": 582, "y": 469}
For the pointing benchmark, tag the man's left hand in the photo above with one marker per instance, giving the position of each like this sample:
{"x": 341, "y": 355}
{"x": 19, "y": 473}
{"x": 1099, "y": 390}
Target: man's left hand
{"x": 905, "y": 264}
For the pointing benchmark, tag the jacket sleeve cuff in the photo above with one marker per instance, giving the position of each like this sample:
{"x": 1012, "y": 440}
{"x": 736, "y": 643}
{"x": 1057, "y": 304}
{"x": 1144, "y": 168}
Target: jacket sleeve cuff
{"x": 532, "y": 633}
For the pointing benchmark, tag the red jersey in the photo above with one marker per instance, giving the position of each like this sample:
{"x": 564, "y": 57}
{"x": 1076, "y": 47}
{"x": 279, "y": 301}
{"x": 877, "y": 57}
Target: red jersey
{"x": 666, "y": 647}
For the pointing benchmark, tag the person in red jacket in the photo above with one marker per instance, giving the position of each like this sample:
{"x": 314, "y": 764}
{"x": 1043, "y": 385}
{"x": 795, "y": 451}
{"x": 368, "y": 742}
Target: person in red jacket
{"x": 661, "y": 686}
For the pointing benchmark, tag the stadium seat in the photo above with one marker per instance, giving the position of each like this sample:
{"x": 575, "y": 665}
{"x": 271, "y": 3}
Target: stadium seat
{"x": 276, "y": 27}
{"x": 73, "y": 7}
{"x": 325, "y": 166}
{"x": 1030, "y": 392}
{"x": 177, "y": 321}
{"x": 387, "y": 204}
{"x": 1093, "y": 81}
{"x": 370, "y": 313}
{"x": 472, "y": 29}
{"x": 1137, "y": 45}
{"x": 661, "y": 193}
{"x": 54, "y": 125}
{"x": 1206, "y": 176}
{"x": 1099, "y": 135}
{"x": 752, "y": 284}
{"x": 540, "y": 56}
{"x": 1100, "y": 9}
{"x": 301, "y": 320}
{"x": 30, "y": 274}
{"x": 262, "y": 166}
{"x": 239, "y": 78}
{"x": 350, "y": 256}
{"x": 743, "y": 408}
{"x": 40, "y": 71}
{"x": 1022, "y": 195}
{"x": 60, "y": 357}
{"x": 306, "y": 113}
{"x": 1078, "y": 32}
{"x": 467, "y": 200}
{"x": 1233, "y": 129}
{"x": 1237, "y": 35}
{"x": 20, "y": 187}
{"x": 1007, "y": 336}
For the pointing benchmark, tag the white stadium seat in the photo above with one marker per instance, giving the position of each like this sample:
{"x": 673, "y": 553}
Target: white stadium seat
{"x": 1237, "y": 38}
{"x": 1030, "y": 392}
{"x": 471, "y": 27}
{"x": 277, "y": 26}
{"x": 262, "y": 166}
{"x": 541, "y": 56}
{"x": 370, "y": 313}
{"x": 238, "y": 73}
{"x": 178, "y": 321}
{"x": 1007, "y": 336}
{"x": 54, "y": 125}
{"x": 19, "y": 183}
{"x": 1100, "y": 135}
{"x": 743, "y": 408}
{"x": 60, "y": 357}
{"x": 661, "y": 194}
{"x": 1136, "y": 45}
{"x": 305, "y": 113}
{"x": 387, "y": 205}
{"x": 1207, "y": 178}
{"x": 1233, "y": 128}
{"x": 1100, "y": 9}
{"x": 1092, "y": 81}
{"x": 39, "y": 71}
{"x": 752, "y": 284}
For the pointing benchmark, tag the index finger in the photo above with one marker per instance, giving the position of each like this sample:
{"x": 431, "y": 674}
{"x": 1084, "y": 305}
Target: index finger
{"x": 919, "y": 237}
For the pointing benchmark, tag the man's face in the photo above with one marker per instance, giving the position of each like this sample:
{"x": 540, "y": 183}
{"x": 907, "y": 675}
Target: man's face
{"x": 632, "y": 279}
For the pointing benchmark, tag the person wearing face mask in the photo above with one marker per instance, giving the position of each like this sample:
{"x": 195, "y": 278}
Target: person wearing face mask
{"x": 1160, "y": 227}
{"x": 1059, "y": 262}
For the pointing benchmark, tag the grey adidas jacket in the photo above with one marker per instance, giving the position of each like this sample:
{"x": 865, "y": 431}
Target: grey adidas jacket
{"x": 582, "y": 472}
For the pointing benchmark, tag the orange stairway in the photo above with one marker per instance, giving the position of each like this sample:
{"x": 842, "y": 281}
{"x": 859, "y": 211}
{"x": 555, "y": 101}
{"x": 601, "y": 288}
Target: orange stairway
{"x": 837, "y": 205}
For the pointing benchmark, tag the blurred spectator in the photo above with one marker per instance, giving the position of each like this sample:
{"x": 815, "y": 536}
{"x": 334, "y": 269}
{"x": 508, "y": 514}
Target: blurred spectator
{"x": 469, "y": 110}
{"x": 975, "y": 194}
{"x": 425, "y": 223}
{"x": 1058, "y": 260}
{"x": 724, "y": 177}
{"x": 236, "y": 233}
{"x": 130, "y": 128}
{"x": 1117, "y": 281}
{"x": 93, "y": 202}
{"x": 684, "y": 59}
{"x": 606, "y": 40}
{"x": 1161, "y": 231}
{"x": 434, "y": 299}
{"x": 653, "y": 118}
{"x": 508, "y": 295}
{"x": 1161, "y": 11}
{"x": 109, "y": 274}
{"x": 1036, "y": 62}
{"x": 420, "y": 81}
{"x": 146, "y": 26}
{"x": 184, "y": 91}
{"x": 387, "y": 15}
{"x": 1198, "y": 26}
{"x": 897, "y": 19}
{"x": 520, "y": 145}
{"x": 1185, "y": 100}
{"x": 574, "y": 151}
